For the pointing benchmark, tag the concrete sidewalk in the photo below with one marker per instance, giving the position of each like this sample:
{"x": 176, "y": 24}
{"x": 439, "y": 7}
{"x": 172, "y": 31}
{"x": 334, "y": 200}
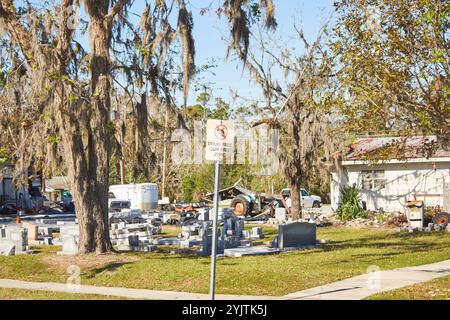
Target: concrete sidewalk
{"x": 362, "y": 286}
{"x": 121, "y": 292}
{"x": 354, "y": 288}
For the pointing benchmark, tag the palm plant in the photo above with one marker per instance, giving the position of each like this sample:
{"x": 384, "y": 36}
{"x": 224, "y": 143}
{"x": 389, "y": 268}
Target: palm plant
{"x": 350, "y": 207}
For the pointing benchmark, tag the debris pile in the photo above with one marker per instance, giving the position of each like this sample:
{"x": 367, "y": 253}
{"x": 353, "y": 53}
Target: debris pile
{"x": 133, "y": 236}
{"x": 432, "y": 227}
{"x": 374, "y": 220}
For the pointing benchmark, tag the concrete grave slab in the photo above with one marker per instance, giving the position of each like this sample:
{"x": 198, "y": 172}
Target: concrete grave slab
{"x": 167, "y": 241}
{"x": 249, "y": 251}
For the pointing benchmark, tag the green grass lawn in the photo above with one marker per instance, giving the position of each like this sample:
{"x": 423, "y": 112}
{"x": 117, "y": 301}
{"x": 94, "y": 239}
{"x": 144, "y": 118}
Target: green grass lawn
{"x": 437, "y": 289}
{"x": 348, "y": 253}
{"x": 20, "y": 294}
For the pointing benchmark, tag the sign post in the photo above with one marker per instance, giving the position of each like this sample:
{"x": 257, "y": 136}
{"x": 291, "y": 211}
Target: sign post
{"x": 212, "y": 279}
{"x": 219, "y": 142}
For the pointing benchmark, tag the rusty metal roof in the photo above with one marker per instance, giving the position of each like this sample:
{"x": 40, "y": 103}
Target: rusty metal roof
{"x": 396, "y": 148}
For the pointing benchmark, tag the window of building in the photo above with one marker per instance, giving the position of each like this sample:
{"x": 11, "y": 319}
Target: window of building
{"x": 373, "y": 180}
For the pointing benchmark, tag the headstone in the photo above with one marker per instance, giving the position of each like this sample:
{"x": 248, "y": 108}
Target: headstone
{"x": 203, "y": 214}
{"x": 223, "y": 213}
{"x": 70, "y": 237}
{"x": 206, "y": 233}
{"x": 45, "y": 231}
{"x": 32, "y": 230}
{"x": 256, "y": 233}
{"x": 296, "y": 234}
{"x": 189, "y": 243}
{"x": 239, "y": 227}
{"x": 19, "y": 236}
{"x": 70, "y": 244}
{"x": 7, "y": 248}
{"x": 280, "y": 215}
{"x": 2, "y": 232}
{"x": 133, "y": 240}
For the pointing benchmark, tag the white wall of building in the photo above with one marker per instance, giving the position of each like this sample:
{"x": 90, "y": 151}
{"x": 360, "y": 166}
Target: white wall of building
{"x": 403, "y": 180}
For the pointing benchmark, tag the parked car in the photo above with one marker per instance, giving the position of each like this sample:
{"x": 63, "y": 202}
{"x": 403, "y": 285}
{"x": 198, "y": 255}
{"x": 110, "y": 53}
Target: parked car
{"x": 116, "y": 205}
{"x": 308, "y": 200}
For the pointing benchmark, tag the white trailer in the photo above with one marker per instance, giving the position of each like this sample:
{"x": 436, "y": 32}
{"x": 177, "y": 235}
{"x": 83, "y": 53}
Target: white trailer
{"x": 142, "y": 196}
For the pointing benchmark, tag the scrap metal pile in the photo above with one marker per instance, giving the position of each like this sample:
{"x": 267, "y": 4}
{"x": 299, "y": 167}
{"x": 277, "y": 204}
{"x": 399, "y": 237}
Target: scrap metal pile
{"x": 247, "y": 203}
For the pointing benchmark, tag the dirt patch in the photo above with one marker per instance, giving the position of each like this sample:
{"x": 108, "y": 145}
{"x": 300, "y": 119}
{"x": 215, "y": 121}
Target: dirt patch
{"x": 87, "y": 262}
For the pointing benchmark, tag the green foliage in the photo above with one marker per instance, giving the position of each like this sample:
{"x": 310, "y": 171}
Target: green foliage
{"x": 203, "y": 98}
{"x": 54, "y": 139}
{"x": 198, "y": 183}
{"x": 394, "y": 57}
{"x": 196, "y": 112}
{"x": 200, "y": 180}
{"x": 3, "y": 156}
{"x": 318, "y": 184}
{"x": 350, "y": 207}
{"x": 203, "y": 109}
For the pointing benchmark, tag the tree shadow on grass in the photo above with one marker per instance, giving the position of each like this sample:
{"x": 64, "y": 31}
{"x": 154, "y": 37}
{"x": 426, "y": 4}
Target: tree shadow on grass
{"x": 387, "y": 241}
{"x": 109, "y": 268}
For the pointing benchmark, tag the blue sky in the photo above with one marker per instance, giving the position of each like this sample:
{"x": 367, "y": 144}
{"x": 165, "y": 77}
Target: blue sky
{"x": 208, "y": 30}
{"x": 229, "y": 74}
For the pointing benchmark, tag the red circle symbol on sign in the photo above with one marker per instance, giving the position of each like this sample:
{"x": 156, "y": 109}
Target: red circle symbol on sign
{"x": 221, "y": 132}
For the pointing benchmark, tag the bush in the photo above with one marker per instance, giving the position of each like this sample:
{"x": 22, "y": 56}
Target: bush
{"x": 350, "y": 207}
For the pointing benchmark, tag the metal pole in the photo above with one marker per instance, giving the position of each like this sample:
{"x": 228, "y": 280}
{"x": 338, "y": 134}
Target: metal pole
{"x": 164, "y": 155}
{"x": 212, "y": 286}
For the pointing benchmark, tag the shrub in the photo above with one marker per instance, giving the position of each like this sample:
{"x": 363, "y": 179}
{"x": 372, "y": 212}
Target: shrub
{"x": 350, "y": 207}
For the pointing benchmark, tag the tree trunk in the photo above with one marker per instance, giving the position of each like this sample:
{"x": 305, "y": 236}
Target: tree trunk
{"x": 293, "y": 169}
{"x": 87, "y": 138}
{"x": 84, "y": 127}
{"x": 99, "y": 137}
{"x": 296, "y": 209}
{"x": 89, "y": 195}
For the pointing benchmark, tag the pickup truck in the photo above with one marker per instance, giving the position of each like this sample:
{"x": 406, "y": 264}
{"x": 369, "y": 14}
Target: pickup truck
{"x": 308, "y": 200}
{"x": 116, "y": 205}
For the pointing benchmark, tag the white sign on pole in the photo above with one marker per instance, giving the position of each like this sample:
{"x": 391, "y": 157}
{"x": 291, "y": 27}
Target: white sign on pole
{"x": 219, "y": 139}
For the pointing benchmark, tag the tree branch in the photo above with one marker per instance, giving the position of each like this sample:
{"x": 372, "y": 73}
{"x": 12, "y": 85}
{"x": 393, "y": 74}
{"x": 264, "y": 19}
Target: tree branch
{"x": 116, "y": 9}
{"x": 19, "y": 35}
